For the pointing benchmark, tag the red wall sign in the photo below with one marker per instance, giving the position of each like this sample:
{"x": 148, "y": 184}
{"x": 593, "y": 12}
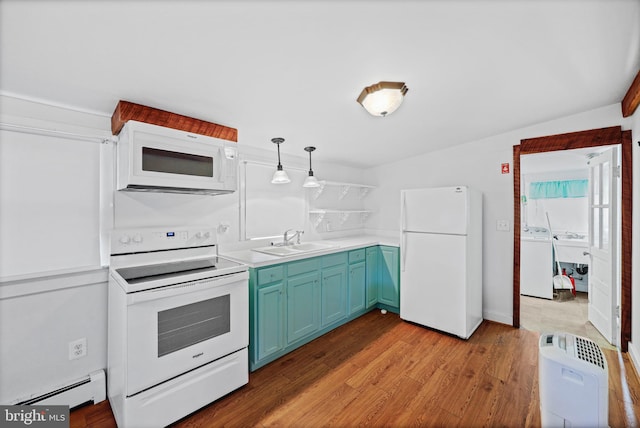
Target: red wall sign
{"x": 505, "y": 168}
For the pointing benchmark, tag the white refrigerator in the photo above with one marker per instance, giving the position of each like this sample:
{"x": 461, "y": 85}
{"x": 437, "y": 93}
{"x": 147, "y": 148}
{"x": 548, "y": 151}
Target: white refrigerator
{"x": 441, "y": 259}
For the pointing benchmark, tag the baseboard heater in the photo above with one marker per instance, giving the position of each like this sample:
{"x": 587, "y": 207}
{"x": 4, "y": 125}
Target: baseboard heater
{"x": 90, "y": 389}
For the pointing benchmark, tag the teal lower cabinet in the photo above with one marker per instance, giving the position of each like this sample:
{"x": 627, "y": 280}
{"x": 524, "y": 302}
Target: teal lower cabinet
{"x": 357, "y": 280}
{"x": 303, "y": 304}
{"x": 293, "y": 303}
{"x": 389, "y": 279}
{"x": 270, "y": 320}
{"x": 267, "y": 311}
{"x": 372, "y": 277}
{"x": 357, "y": 287}
{"x": 334, "y": 288}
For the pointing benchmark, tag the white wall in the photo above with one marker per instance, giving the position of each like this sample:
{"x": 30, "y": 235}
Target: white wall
{"x": 478, "y": 164}
{"x": 37, "y": 325}
{"x": 40, "y": 315}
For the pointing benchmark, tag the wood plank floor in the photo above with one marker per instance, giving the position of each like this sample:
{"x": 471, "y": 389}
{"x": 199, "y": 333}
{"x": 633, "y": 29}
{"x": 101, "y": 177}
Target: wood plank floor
{"x": 381, "y": 371}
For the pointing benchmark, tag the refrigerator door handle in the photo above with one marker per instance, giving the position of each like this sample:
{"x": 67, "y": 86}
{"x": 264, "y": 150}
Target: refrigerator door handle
{"x": 403, "y": 252}
{"x": 402, "y": 213}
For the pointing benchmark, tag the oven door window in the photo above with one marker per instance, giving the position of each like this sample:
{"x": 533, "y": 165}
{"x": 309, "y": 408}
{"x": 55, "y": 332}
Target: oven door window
{"x": 187, "y": 325}
{"x": 169, "y": 162}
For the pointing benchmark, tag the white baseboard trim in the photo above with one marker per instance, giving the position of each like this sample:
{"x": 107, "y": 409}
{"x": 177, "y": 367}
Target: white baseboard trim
{"x": 498, "y": 317}
{"x": 634, "y": 356}
{"x": 92, "y": 388}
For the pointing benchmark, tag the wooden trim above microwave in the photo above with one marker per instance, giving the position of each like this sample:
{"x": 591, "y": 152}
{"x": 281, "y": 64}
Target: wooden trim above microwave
{"x": 126, "y": 110}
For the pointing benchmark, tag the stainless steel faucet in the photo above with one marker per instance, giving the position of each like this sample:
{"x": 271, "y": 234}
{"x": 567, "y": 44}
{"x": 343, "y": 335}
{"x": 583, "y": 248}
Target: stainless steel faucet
{"x": 287, "y": 239}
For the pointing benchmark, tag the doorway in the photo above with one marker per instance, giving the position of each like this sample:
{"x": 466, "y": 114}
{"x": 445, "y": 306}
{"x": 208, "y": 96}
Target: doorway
{"x": 556, "y": 190}
{"x": 584, "y": 139}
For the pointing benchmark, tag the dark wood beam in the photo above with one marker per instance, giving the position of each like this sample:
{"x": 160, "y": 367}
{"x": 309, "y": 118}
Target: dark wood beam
{"x": 571, "y": 140}
{"x": 516, "y": 236}
{"x": 130, "y": 111}
{"x": 632, "y": 98}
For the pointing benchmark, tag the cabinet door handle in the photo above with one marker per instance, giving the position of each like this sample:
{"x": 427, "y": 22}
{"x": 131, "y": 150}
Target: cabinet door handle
{"x": 586, "y": 253}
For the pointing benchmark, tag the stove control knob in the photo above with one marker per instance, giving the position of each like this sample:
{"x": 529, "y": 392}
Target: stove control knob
{"x": 137, "y": 239}
{"x": 202, "y": 235}
{"x": 125, "y": 239}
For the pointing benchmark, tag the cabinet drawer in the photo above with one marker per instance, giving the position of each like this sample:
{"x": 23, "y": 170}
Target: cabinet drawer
{"x": 270, "y": 274}
{"x": 334, "y": 259}
{"x": 357, "y": 256}
{"x": 303, "y": 266}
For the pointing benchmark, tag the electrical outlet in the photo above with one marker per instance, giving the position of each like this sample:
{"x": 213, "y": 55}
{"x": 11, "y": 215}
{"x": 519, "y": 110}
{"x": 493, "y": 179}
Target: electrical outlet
{"x": 223, "y": 226}
{"x": 78, "y": 348}
{"x": 502, "y": 225}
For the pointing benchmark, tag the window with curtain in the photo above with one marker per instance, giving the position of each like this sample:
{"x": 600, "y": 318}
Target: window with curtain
{"x": 559, "y": 189}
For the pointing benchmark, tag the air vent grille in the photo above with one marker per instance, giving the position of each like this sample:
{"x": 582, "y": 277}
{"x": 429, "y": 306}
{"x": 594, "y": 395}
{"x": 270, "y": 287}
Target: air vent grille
{"x": 590, "y": 352}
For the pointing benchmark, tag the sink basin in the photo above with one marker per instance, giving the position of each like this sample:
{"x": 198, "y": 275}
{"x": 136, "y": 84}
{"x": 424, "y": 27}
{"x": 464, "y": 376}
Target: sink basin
{"x": 311, "y": 246}
{"x": 291, "y": 250}
{"x": 276, "y": 251}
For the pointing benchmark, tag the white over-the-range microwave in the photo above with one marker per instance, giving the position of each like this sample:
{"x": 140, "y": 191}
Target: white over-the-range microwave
{"x": 153, "y": 158}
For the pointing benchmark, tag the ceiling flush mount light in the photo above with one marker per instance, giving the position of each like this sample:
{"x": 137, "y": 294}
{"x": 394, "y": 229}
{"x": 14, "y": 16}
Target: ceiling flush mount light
{"x": 310, "y": 181}
{"x": 383, "y": 98}
{"x": 280, "y": 176}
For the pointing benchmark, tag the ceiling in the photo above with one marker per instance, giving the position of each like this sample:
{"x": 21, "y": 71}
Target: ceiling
{"x": 294, "y": 69}
{"x": 557, "y": 161}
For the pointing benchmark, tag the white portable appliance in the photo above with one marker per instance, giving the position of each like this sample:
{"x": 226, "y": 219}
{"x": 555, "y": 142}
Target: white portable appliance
{"x": 153, "y": 158}
{"x": 441, "y": 259}
{"x": 573, "y": 382}
{"x": 178, "y": 327}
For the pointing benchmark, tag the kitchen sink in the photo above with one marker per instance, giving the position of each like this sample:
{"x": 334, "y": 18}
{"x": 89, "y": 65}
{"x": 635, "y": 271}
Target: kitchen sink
{"x": 311, "y": 246}
{"x": 276, "y": 251}
{"x": 291, "y": 250}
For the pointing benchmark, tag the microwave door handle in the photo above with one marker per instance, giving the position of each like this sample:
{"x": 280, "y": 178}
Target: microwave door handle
{"x": 221, "y": 165}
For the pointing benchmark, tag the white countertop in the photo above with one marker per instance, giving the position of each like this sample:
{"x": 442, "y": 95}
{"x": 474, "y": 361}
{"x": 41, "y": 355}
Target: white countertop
{"x": 255, "y": 259}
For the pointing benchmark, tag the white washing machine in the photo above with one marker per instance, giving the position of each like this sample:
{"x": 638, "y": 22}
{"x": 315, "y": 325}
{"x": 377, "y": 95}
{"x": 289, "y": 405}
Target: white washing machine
{"x": 536, "y": 262}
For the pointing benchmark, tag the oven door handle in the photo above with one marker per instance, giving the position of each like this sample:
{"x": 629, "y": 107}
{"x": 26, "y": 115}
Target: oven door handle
{"x": 189, "y": 287}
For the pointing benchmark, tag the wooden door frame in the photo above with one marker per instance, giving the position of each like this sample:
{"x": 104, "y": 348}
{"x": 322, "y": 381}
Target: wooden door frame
{"x": 578, "y": 140}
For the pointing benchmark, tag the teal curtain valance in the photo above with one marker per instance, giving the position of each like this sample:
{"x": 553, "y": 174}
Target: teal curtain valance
{"x": 559, "y": 189}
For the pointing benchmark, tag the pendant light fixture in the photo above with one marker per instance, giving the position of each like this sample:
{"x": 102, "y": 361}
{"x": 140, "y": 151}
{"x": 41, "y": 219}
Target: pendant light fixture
{"x": 310, "y": 181}
{"x": 280, "y": 176}
{"x": 383, "y": 98}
